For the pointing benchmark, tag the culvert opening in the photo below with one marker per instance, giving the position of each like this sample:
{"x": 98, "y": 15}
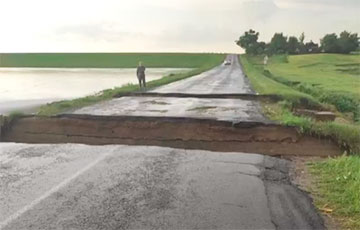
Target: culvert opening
{"x": 188, "y": 133}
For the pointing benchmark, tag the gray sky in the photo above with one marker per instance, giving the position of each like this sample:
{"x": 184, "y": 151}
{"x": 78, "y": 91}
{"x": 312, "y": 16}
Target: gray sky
{"x": 164, "y": 25}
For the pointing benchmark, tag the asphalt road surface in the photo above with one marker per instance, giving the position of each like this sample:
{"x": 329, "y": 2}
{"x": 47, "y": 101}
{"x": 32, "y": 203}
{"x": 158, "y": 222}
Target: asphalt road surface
{"x": 223, "y": 79}
{"x": 140, "y": 187}
{"x": 70, "y": 186}
{"x": 234, "y": 110}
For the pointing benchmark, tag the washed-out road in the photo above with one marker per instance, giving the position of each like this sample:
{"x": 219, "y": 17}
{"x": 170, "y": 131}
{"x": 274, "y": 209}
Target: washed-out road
{"x": 219, "y": 80}
{"x": 74, "y": 186}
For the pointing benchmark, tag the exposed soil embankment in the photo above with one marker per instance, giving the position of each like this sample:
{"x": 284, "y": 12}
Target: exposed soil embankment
{"x": 189, "y": 133}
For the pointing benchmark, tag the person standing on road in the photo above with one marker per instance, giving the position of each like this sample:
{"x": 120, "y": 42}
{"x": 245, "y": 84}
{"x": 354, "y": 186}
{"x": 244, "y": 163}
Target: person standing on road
{"x": 140, "y": 72}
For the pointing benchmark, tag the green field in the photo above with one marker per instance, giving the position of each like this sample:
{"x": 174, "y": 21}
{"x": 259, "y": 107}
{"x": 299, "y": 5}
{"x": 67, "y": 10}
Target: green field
{"x": 331, "y": 79}
{"x": 325, "y": 72}
{"x": 265, "y": 85}
{"x": 106, "y": 60}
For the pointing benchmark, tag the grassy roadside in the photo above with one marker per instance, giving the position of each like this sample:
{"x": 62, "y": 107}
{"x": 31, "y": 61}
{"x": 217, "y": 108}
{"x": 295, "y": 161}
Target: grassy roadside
{"x": 265, "y": 85}
{"x": 345, "y": 132}
{"x": 330, "y": 78}
{"x": 337, "y": 189}
{"x": 67, "y": 105}
{"x": 337, "y": 181}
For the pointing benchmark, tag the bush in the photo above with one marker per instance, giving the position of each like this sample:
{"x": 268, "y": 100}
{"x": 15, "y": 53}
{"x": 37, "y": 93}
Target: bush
{"x": 345, "y": 44}
{"x": 342, "y": 102}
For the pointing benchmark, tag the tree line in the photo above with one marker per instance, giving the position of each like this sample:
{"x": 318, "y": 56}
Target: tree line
{"x": 345, "y": 43}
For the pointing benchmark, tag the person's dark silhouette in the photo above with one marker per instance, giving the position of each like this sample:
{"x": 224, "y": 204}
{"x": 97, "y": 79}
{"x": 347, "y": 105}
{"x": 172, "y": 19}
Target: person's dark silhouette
{"x": 140, "y": 72}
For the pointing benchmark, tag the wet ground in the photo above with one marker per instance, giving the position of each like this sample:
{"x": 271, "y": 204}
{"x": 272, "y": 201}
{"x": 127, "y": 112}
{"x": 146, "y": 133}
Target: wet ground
{"x": 26, "y": 88}
{"x": 224, "y": 79}
{"x": 219, "y": 109}
{"x": 142, "y": 187}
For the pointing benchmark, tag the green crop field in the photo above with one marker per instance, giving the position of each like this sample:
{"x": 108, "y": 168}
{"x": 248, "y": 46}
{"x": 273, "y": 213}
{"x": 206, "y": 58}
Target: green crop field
{"x": 333, "y": 79}
{"x": 107, "y": 60}
{"x": 329, "y": 72}
{"x": 326, "y": 72}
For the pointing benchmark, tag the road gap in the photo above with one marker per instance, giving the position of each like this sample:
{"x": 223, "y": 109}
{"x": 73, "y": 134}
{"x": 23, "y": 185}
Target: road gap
{"x": 178, "y": 132}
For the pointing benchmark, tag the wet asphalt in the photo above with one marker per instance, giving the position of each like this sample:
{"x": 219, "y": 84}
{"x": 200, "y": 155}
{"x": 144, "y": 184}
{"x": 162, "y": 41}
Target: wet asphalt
{"x": 234, "y": 110}
{"x": 224, "y": 79}
{"x": 73, "y": 186}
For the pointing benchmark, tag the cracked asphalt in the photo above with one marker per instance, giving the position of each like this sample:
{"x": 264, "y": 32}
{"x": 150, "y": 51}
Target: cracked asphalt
{"x": 234, "y": 110}
{"x": 74, "y": 186}
{"x": 220, "y": 80}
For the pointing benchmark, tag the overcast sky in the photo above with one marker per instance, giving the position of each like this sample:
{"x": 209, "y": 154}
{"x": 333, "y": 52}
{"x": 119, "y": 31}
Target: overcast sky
{"x": 164, "y": 25}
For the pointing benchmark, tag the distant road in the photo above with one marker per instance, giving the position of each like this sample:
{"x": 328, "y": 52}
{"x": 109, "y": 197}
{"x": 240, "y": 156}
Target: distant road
{"x": 222, "y": 79}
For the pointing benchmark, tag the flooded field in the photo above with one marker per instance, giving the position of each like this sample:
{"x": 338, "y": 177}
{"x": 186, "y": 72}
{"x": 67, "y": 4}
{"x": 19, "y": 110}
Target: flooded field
{"x": 23, "y": 89}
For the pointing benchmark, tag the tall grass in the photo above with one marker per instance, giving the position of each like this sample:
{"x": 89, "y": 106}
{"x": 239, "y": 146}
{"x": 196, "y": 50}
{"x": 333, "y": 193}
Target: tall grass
{"x": 338, "y": 188}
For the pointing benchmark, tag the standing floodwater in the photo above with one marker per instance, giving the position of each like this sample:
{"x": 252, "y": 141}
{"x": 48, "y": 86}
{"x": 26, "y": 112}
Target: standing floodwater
{"x": 26, "y": 88}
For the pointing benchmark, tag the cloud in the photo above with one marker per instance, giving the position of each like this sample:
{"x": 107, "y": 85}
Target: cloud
{"x": 164, "y": 25}
{"x": 106, "y": 31}
{"x": 255, "y": 11}
{"x": 320, "y": 5}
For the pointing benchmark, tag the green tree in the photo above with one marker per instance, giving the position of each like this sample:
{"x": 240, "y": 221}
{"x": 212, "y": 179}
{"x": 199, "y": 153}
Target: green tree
{"x": 248, "y": 41}
{"x": 302, "y": 48}
{"x": 302, "y": 38}
{"x": 329, "y": 43}
{"x": 278, "y": 44}
{"x": 293, "y": 45}
{"x": 261, "y": 47}
{"x": 348, "y": 42}
{"x": 312, "y": 47}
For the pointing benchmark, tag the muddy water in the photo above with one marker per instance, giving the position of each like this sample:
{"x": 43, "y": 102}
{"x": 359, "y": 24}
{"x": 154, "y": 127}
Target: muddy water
{"x": 23, "y": 89}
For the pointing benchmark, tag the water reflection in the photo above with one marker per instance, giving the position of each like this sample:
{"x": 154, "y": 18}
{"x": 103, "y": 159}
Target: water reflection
{"x": 24, "y": 88}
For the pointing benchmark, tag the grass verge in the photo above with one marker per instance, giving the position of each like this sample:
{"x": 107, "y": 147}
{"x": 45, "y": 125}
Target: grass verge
{"x": 67, "y": 105}
{"x": 345, "y": 135}
{"x": 337, "y": 189}
{"x": 330, "y": 78}
{"x": 267, "y": 86}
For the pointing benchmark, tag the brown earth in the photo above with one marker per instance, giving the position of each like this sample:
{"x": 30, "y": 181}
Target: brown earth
{"x": 189, "y": 133}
